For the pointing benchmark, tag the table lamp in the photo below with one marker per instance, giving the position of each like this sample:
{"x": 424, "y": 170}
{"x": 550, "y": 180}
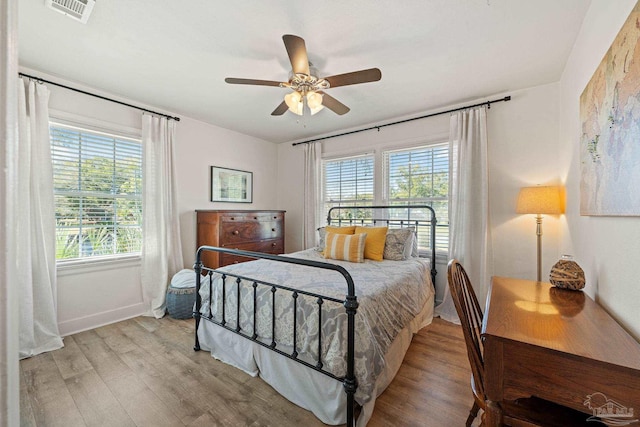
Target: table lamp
{"x": 540, "y": 200}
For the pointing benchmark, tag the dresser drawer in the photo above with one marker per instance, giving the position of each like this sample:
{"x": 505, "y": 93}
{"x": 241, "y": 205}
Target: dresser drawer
{"x": 251, "y": 216}
{"x": 270, "y": 247}
{"x": 233, "y": 232}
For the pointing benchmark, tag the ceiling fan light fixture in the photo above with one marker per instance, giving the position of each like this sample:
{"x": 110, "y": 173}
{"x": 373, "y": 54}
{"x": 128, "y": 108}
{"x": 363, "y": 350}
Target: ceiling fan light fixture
{"x": 314, "y": 101}
{"x": 294, "y": 102}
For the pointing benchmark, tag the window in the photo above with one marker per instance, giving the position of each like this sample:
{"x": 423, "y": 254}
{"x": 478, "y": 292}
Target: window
{"x": 98, "y": 193}
{"x": 421, "y": 176}
{"x": 348, "y": 182}
{"x": 410, "y": 176}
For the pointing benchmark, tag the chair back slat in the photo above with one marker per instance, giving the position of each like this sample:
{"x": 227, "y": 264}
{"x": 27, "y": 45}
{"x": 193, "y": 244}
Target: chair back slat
{"x": 468, "y": 309}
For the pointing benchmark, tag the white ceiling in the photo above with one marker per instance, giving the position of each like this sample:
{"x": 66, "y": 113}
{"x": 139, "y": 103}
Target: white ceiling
{"x": 174, "y": 55}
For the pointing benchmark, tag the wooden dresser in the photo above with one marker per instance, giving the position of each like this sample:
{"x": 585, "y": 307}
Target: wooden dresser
{"x": 257, "y": 231}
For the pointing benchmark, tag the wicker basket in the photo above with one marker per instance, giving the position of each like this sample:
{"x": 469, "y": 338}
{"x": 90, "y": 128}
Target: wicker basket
{"x": 180, "y": 302}
{"x": 567, "y": 274}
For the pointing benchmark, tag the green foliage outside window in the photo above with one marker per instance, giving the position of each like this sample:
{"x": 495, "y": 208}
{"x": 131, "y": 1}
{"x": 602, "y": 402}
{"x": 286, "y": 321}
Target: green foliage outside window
{"x": 98, "y": 193}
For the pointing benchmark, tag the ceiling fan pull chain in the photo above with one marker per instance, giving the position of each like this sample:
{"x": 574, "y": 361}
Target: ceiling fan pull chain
{"x": 305, "y": 106}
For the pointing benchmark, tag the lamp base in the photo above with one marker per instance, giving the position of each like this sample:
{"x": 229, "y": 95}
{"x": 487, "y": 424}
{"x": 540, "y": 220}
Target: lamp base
{"x": 539, "y": 235}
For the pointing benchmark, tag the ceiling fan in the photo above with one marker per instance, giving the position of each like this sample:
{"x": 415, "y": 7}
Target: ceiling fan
{"x": 308, "y": 88}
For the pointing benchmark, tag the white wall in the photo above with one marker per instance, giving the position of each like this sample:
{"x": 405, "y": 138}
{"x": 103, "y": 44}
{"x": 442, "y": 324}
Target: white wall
{"x": 90, "y": 296}
{"x": 607, "y": 248}
{"x": 523, "y": 146}
{"x": 290, "y": 196}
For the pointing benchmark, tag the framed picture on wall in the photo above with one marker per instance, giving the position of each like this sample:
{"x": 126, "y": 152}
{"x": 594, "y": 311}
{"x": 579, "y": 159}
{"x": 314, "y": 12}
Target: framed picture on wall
{"x": 231, "y": 185}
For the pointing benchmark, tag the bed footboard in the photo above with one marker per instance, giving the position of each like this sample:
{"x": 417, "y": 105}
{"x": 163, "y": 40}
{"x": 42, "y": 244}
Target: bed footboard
{"x": 349, "y": 302}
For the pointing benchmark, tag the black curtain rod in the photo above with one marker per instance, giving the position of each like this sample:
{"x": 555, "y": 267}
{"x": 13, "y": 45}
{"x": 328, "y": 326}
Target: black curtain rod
{"x": 177, "y": 119}
{"x": 487, "y": 103}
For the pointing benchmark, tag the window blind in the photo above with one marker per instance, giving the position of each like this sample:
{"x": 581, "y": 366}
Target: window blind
{"x": 97, "y": 191}
{"x": 420, "y": 176}
{"x": 348, "y": 181}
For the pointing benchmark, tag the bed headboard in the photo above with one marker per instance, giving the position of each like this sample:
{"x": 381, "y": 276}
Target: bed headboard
{"x": 421, "y": 217}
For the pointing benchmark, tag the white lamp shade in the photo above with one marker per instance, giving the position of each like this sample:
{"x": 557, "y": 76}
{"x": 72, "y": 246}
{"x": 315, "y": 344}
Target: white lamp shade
{"x": 294, "y": 102}
{"x": 314, "y": 101}
{"x": 540, "y": 200}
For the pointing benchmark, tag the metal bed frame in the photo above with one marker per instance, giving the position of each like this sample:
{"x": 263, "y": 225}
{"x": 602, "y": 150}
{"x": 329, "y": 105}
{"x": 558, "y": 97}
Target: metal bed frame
{"x": 350, "y": 301}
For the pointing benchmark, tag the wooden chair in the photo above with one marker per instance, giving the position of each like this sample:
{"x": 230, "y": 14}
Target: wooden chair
{"x": 531, "y": 411}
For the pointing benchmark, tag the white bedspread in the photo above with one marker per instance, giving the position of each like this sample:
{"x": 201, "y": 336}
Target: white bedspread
{"x": 390, "y": 295}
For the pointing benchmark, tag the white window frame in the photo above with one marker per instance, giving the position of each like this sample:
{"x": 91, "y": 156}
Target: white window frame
{"x": 59, "y": 118}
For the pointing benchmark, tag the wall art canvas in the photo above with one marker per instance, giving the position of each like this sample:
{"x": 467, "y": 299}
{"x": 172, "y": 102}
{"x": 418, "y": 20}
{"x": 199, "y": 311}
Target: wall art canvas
{"x": 610, "y": 117}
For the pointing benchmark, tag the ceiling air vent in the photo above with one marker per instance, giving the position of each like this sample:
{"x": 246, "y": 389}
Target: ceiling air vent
{"x": 76, "y": 9}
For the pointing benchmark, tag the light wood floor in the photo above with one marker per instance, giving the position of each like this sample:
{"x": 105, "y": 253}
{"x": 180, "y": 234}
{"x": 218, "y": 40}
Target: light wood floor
{"x": 144, "y": 372}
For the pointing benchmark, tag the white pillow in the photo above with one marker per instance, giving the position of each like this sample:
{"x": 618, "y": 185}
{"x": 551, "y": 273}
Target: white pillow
{"x": 321, "y": 234}
{"x": 414, "y": 246}
{"x": 184, "y": 279}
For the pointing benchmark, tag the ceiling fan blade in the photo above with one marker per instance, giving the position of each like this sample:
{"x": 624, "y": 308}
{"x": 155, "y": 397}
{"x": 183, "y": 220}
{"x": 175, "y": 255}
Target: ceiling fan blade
{"x": 280, "y": 109}
{"x": 297, "y": 53}
{"x": 333, "y": 104}
{"x": 355, "y": 77}
{"x": 235, "y": 81}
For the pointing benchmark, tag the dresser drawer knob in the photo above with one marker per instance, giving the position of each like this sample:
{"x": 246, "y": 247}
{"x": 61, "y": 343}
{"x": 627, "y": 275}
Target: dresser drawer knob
{"x": 273, "y": 229}
{"x": 235, "y": 233}
{"x": 274, "y": 244}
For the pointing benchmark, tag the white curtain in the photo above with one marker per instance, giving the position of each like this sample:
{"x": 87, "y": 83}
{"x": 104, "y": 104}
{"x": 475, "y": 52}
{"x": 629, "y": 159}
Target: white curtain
{"x": 469, "y": 232}
{"x": 35, "y": 229}
{"x": 161, "y": 248}
{"x": 9, "y": 368}
{"x": 312, "y": 189}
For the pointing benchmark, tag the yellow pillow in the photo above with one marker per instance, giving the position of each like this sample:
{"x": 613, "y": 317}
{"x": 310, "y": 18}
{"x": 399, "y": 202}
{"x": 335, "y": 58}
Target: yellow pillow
{"x": 350, "y": 229}
{"x": 374, "y": 246}
{"x": 346, "y": 247}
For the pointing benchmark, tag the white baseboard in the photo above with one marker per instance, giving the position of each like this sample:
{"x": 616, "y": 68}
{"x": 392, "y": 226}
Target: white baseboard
{"x": 80, "y": 324}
